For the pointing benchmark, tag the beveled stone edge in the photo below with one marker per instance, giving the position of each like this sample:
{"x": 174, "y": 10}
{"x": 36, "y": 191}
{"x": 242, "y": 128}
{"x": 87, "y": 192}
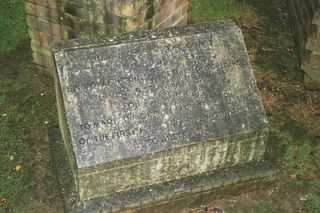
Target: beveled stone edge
{"x": 261, "y": 172}
{"x": 256, "y": 133}
{"x": 89, "y": 184}
{"x": 64, "y": 129}
{"x": 143, "y": 35}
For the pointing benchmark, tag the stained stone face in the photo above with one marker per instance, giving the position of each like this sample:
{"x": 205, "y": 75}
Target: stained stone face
{"x": 146, "y": 92}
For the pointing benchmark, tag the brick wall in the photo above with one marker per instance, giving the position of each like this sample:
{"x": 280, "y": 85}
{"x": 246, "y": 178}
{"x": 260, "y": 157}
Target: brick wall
{"x": 304, "y": 18}
{"x": 43, "y": 28}
{"x": 50, "y": 20}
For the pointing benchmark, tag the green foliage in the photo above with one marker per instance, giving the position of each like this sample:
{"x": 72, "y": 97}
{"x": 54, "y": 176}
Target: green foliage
{"x": 35, "y": 107}
{"x": 14, "y": 150}
{"x": 13, "y": 28}
{"x": 204, "y": 10}
{"x": 303, "y": 159}
{"x": 313, "y": 203}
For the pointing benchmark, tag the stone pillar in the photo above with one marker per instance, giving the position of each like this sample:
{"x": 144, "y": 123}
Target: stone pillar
{"x": 312, "y": 64}
{"x": 50, "y": 20}
{"x": 304, "y": 20}
{"x": 43, "y": 27}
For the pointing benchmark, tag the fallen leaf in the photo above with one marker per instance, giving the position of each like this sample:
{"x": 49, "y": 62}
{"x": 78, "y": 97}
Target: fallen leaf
{"x": 3, "y": 200}
{"x": 303, "y": 199}
{"x": 18, "y": 167}
{"x": 270, "y": 192}
{"x": 218, "y": 210}
{"x": 293, "y": 176}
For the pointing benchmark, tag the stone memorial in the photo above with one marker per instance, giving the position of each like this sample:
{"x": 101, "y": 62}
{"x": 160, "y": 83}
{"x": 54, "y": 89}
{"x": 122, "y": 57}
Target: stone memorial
{"x": 148, "y": 115}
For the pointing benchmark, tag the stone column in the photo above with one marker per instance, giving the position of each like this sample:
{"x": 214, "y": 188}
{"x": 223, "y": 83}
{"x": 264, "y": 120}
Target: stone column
{"x": 43, "y": 27}
{"x": 312, "y": 64}
{"x": 304, "y": 20}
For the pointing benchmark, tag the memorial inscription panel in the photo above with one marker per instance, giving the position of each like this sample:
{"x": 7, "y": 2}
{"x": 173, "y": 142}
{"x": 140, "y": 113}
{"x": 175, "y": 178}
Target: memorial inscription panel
{"x": 128, "y": 98}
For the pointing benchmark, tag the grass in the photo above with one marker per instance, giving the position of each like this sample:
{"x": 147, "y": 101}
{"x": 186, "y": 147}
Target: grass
{"x": 26, "y": 103}
{"x": 313, "y": 202}
{"x": 303, "y": 160}
{"x": 204, "y": 10}
{"x": 13, "y": 27}
{"x": 14, "y": 149}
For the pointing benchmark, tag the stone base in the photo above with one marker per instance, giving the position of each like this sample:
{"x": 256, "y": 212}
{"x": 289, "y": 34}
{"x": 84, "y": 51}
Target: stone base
{"x": 163, "y": 197}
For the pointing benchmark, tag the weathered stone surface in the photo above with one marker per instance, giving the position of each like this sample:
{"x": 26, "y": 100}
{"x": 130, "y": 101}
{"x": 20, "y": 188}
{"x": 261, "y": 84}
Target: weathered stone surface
{"x": 153, "y": 106}
{"x": 172, "y": 196}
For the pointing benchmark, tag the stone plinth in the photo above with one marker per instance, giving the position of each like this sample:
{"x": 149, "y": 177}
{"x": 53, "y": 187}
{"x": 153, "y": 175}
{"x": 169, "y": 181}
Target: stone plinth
{"x": 147, "y": 108}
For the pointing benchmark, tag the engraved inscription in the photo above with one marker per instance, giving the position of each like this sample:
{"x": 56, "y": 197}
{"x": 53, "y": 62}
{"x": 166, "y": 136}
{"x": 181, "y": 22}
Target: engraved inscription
{"x": 141, "y": 97}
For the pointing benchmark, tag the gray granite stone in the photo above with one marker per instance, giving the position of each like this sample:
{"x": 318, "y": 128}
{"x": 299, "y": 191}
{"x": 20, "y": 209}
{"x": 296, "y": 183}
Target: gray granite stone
{"x": 149, "y": 107}
{"x": 171, "y": 196}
